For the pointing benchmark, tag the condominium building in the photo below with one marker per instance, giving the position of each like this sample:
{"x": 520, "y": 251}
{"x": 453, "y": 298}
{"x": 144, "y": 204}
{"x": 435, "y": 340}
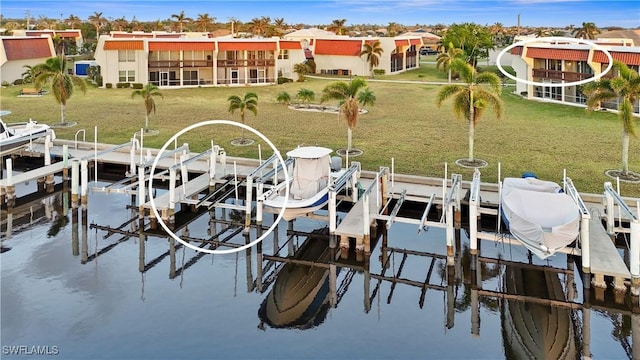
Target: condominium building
{"x": 196, "y": 59}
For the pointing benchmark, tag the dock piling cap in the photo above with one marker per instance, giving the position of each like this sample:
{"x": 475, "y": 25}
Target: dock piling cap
{"x": 309, "y": 152}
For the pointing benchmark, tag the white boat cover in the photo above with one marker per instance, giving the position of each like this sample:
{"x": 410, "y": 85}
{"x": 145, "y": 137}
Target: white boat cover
{"x": 539, "y": 214}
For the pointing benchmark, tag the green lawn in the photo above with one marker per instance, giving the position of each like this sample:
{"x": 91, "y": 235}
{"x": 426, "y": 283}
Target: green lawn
{"x": 404, "y": 124}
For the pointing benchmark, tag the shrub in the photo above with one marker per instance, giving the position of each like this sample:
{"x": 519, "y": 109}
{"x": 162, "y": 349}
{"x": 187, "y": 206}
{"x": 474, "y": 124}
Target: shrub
{"x": 378, "y": 71}
{"x": 108, "y": 85}
{"x": 18, "y": 82}
{"x": 119, "y": 85}
{"x": 137, "y": 85}
{"x": 6, "y": 83}
{"x": 98, "y": 80}
{"x": 284, "y": 80}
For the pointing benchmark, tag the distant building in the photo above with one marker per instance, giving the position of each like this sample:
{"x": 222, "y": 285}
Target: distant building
{"x": 558, "y": 62}
{"x": 70, "y": 40}
{"x": 16, "y": 52}
{"x": 195, "y": 59}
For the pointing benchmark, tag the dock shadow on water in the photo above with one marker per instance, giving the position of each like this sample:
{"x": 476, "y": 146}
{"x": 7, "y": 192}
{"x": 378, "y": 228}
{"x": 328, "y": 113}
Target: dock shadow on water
{"x": 97, "y": 280}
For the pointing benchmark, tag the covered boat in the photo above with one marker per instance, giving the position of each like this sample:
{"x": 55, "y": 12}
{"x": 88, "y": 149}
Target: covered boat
{"x": 539, "y": 214}
{"x": 308, "y": 185}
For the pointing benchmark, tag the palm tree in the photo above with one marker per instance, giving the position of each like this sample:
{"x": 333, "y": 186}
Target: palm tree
{"x": 373, "y": 51}
{"x": 472, "y": 98}
{"x": 54, "y": 71}
{"x": 347, "y": 94}
{"x": 541, "y": 32}
{"x": 393, "y": 29}
{"x": 147, "y": 94}
{"x": 181, "y": 19}
{"x": 366, "y": 97}
{"x": 248, "y": 102}
{"x": 625, "y": 86}
{"x": 120, "y": 23}
{"x": 306, "y": 95}
{"x": 588, "y": 30}
{"x": 337, "y": 26}
{"x": 301, "y": 69}
{"x": 73, "y": 21}
{"x": 283, "y": 97}
{"x": 98, "y": 21}
{"x": 445, "y": 59}
{"x": 259, "y": 26}
{"x": 30, "y": 74}
{"x": 204, "y": 22}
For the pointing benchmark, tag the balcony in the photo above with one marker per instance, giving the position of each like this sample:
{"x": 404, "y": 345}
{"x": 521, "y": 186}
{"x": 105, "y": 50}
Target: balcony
{"x": 246, "y": 63}
{"x": 180, "y": 64}
{"x": 567, "y": 76}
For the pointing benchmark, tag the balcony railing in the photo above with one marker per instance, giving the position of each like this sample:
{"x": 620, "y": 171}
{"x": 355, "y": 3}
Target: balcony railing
{"x": 178, "y": 63}
{"x": 560, "y": 75}
{"x": 246, "y": 63}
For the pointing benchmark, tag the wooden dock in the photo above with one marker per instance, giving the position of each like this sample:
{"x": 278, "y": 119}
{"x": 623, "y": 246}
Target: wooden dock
{"x": 605, "y": 258}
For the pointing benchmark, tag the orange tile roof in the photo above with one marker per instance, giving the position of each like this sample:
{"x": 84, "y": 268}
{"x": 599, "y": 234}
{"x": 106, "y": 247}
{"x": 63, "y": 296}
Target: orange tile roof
{"x": 123, "y": 45}
{"x": 558, "y": 54}
{"x": 402, "y": 42}
{"x": 246, "y": 45}
{"x": 415, "y": 41}
{"x": 30, "y": 48}
{"x": 624, "y": 57}
{"x": 290, "y": 45}
{"x": 338, "y": 47}
{"x": 516, "y": 50}
{"x": 181, "y": 45}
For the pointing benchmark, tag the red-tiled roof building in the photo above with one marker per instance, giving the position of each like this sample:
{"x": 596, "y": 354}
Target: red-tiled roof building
{"x": 20, "y": 51}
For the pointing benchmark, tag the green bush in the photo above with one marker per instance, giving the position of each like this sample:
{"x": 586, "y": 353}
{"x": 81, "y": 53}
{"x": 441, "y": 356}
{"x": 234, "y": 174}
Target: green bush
{"x": 122, "y": 85}
{"x": 283, "y": 80}
{"x": 6, "y": 83}
{"x": 98, "y": 80}
{"x": 108, "y": 85}
{"x": 137, "y": 85}
{"x": 378, "y": 71}
{"x": 18, "y": 82}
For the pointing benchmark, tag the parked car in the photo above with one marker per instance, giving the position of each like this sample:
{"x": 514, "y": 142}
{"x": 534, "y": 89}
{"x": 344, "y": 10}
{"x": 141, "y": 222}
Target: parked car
{"x": 428, "y": 51}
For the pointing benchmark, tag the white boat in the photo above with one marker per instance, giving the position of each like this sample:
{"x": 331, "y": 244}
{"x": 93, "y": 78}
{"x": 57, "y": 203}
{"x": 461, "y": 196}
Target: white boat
{"x": 539, "y": 214}
{"x": 15, "y": 135}
{"x": 308, "y": 184}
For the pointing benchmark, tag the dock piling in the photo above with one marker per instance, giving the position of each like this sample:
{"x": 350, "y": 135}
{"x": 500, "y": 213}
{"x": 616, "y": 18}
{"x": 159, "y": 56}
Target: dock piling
{"x": 75, "y": 179}
{"x": 84, "y": 180}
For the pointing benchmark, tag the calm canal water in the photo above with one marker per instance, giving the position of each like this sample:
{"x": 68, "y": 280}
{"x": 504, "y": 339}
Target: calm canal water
{"x": 83, "y": 293}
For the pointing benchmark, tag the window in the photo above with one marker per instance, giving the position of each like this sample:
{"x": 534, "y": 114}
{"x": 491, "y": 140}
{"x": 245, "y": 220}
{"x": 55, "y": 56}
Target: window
{"x": 284, "y": 54}
{"x": 127, "y": 76}
{"x": 126, "y": 55}
{"x": 190, "y": 77}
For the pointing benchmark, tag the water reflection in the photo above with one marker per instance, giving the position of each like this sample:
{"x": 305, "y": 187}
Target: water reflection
{"x": 295, "y": 279}
{"x": 299, "y": 297}
{"x": 542, "y": 329}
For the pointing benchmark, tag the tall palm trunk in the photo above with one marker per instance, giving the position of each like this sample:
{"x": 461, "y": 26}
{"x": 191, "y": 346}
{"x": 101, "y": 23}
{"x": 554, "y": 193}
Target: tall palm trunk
{"x": 146, "y": 122}
{"x": 625, "y": 151}
{"x": 349, "y": 132}
{"x": 449, "y": 76}
{"x": 62, "y": 112}
{"x": 472, "y": 124}
{"x": 242, "y": 118}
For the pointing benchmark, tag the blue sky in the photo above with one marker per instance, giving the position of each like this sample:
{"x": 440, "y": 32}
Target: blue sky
{"x": 551, "y": 13}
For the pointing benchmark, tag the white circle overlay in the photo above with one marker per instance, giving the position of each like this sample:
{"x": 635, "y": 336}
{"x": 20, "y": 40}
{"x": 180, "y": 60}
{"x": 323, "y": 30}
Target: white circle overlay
{"x": 555, "y": 39}
{"x": 217, "y": 122}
